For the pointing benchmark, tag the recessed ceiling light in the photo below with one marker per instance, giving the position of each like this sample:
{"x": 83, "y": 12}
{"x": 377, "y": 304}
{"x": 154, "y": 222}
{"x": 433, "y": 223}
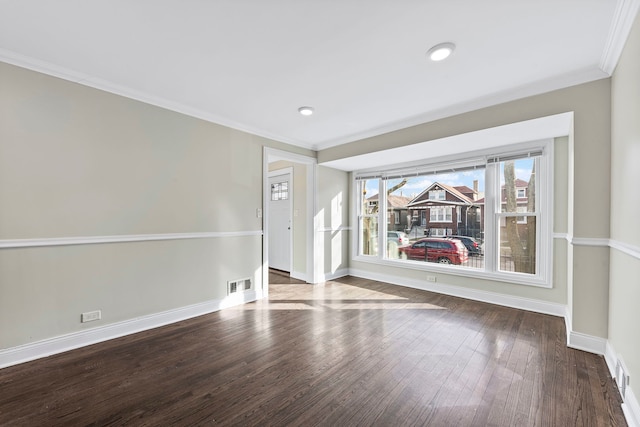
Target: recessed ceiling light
{"x": 305, "y": 111}
{"x": 441, "y": 51}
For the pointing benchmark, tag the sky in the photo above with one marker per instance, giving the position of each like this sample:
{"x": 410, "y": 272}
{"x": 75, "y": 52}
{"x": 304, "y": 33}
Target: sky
{"x": 416, "y": 185}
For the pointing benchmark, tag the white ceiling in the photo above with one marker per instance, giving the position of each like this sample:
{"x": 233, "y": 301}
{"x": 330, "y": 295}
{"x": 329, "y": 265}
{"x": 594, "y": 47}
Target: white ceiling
{"x": 249, "y": 64}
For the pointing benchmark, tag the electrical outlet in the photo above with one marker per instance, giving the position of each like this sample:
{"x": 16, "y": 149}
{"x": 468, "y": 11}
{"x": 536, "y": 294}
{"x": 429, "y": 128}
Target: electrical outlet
{"x": 90, "y": 316}
{"x": 431, "y": 278}
{"x": 258, "y": 213}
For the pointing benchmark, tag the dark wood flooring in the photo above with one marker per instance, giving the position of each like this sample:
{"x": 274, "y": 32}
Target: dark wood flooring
{"x": 348, "y": 352}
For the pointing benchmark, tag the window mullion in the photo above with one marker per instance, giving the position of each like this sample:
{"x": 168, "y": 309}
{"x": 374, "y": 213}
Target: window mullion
{"x": 382, "y": 218}
{"x": 492, "y": 193}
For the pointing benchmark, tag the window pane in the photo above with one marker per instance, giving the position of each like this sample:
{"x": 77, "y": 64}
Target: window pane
{"x": 426, "y": 206}
{"x": 369, "y": 235}
{"x": 518, "y": 245}
{"x": 368, "y": 214}
{"x": 518, "y": 185}
{"x": 279, "y": 191}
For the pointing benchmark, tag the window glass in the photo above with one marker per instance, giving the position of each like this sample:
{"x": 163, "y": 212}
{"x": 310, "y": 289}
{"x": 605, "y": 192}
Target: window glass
{"x": 518, "y": 233}
{"x": 368, "y": 216}
{"x": 280, "y": 191}
{"x": 436, "y": 205}
{"x": 443, "y": 216}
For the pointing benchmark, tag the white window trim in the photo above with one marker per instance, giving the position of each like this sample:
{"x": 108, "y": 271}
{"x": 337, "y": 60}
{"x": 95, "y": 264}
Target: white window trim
{"x": 439, "y": 193}
{"x": 544, "y": 250}
{"x": 444, "y": 214}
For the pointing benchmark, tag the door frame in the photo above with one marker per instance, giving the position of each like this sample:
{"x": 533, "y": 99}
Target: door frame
{"x": 312, "y": 270}
{"x": 289, "y": 173}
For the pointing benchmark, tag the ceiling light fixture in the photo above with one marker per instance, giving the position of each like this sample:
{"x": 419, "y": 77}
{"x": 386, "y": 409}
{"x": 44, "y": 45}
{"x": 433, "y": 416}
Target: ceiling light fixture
{"x": 305, "y": 111}
{"x": 441, "y": 51}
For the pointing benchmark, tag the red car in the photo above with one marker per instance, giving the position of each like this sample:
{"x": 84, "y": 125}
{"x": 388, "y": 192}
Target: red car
{"x": 444, "y": 251}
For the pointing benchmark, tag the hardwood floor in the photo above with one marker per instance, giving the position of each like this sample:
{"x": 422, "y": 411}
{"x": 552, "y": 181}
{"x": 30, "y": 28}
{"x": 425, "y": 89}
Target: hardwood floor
{"x": 348, "y": 352}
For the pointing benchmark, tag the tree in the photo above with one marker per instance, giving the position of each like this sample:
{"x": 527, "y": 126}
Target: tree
{"x": 522, "y": 250}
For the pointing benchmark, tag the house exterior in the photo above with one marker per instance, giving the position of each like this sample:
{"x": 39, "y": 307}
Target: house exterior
{"x": 522, "y": 202}
{"x": 443, "y": 210}
{"x": 397, "y": 212}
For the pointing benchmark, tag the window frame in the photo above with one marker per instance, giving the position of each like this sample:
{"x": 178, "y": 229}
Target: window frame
{"x": 491, "y": 271}
{"x": 444, "y": 210}
{"x": 440, "y": 192}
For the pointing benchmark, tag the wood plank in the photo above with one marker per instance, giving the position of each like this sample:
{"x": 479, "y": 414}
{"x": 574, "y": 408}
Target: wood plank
{"x": 347, "y": 352}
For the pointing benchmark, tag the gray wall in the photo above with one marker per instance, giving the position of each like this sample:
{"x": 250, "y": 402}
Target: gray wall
{"x": 624, "y": 279}
{"x": 78, "y": 162}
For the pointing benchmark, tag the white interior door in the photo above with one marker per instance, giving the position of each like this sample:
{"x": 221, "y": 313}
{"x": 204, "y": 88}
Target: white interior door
{"x": 280, "y": 232}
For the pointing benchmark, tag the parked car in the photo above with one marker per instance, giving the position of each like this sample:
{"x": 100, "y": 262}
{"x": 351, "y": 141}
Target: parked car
{"x": 472, "y": 244}
{"x": 444, "y": 251}
{"x": 400, "y": 238}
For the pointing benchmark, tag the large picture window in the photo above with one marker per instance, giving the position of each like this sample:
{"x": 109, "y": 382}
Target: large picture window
{"x": 486, "y": 217}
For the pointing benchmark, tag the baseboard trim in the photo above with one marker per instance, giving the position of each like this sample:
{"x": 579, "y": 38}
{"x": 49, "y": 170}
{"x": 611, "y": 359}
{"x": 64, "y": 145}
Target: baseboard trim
{"x": 48, "y": 347}
{"x": 630, "y": 405}
{"x": 334, "y": 275}
{"x": 631, "y": 409}
{"x": 298, "y": 275}
{"x": 528, "y": 304}
{"x": 585, "y": 342}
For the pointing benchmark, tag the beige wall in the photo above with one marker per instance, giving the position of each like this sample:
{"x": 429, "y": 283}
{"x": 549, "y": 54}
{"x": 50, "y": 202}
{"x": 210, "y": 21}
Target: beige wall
{"x": 587, "y": 171}
{"x": 624, "y": 278}
{"x": 79, "y": 162}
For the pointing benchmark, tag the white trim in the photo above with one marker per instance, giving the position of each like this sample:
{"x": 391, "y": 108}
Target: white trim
{"x": 568, "y": 323}
{"x": 63, "y": 241}
{"x": 298, "y": 275}
{"x": 563, "y": 236}
{"x": 610, "y": 358}
{"x": 631, "y": 409}
{"x": 538, "y": 306}
{"x": 564, "y": 81}
{"x": 279, "y": 172}
{"x": 630, "y": 250}
{"x": 333, "y": 229}
{"x": 50, "y": 69}
{"x": 60, "y": 344}
{"x": 630, "y": 405}
{"x": 335, "y": 275}
{"x": 272, "y": 155}
{"x": 621, "y": 25}
{"x": 586, "y": 342}
{"x": 590, "y": 241}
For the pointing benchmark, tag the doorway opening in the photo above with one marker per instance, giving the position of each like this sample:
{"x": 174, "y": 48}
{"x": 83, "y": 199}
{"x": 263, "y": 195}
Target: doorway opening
{"x": 298, "y": 222}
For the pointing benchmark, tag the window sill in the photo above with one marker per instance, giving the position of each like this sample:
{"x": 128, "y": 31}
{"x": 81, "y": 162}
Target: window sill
{"x": 454, "y": 270}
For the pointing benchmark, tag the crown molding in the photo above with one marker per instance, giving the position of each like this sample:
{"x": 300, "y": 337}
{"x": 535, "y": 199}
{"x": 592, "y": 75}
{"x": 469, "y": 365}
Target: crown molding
{"x": 73, "y": 76}
{"x": 559, "y": 82}
{"x": 624, "y": 16}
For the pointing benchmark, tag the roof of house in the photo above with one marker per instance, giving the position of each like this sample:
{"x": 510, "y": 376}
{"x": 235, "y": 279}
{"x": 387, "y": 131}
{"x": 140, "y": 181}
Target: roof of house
{"x": 419, "y": 199}
{"x": 464, "y": 189}
{"x": 393, "y": 201}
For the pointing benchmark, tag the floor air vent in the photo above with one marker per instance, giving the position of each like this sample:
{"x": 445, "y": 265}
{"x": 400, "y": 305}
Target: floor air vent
{"x": 237, "y": 286}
